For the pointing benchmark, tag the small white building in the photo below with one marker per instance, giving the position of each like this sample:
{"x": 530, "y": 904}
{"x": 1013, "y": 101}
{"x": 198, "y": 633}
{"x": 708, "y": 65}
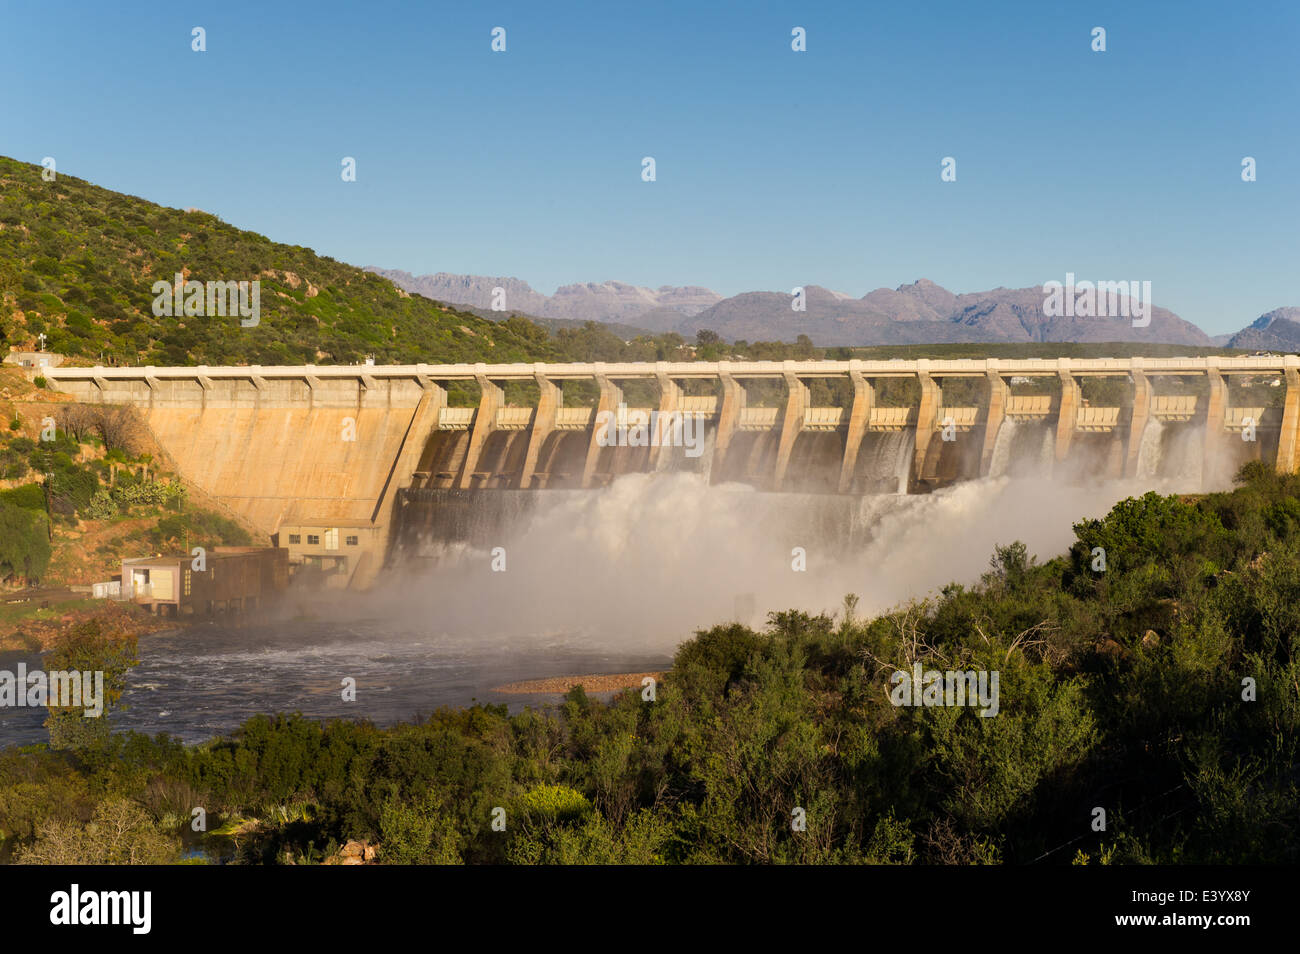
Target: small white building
{"x": 34, "y": 359}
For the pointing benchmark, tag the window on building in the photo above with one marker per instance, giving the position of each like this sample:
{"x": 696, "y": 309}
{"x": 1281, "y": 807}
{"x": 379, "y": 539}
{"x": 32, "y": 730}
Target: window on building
{"x": 295, "y": 538}
{"x": 352, "y": 541}
{"x": 332, "y": 538}
{"x": 188, "y": 574}
{"x": 313, "y": 540}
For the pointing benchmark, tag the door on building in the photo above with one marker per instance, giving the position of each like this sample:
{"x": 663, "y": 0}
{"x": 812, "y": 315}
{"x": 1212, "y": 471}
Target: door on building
{"x": 162, "y": 585}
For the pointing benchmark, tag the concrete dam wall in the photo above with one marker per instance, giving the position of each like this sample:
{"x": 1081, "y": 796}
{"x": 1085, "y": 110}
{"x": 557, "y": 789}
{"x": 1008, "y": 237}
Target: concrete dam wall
{"x": 321, "y": 454}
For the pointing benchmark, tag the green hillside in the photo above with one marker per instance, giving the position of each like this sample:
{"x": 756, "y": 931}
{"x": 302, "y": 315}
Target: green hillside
{"x": 78, "y": 262}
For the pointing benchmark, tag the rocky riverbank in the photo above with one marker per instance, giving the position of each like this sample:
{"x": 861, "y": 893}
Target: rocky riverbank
{"x": 37, "y": 629}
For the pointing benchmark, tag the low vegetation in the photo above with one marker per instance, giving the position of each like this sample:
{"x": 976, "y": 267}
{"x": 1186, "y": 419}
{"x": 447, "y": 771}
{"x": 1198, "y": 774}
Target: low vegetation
{"x": 1152, "y": 672}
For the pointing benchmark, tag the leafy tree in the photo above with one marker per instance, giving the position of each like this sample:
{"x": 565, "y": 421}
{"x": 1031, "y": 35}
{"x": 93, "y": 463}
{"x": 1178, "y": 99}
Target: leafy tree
{"x": 119, "y": 833}
{"x": 89, "y": 648}
{"x": 421, "y": 832}
{"x": 24, "y": 542}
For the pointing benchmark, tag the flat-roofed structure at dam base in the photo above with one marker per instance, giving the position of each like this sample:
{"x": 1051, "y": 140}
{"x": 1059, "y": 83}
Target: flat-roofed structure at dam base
{"x": 329, "y": 447}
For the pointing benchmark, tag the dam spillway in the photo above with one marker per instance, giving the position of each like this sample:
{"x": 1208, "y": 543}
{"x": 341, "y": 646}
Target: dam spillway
{"x": 330, "y": 447}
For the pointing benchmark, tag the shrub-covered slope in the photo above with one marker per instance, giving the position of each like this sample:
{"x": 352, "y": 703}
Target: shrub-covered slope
{"x": 78, "y": 263}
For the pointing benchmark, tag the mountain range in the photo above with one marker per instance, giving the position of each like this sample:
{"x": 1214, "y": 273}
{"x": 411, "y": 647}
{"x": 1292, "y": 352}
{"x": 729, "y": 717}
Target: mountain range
{"x": 593, "y": 301}
{"x": 1279, "y": 330}
{"x": 919, "y": 313}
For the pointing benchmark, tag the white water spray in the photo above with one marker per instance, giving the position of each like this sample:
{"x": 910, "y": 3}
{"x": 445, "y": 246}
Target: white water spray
{"x": 641, "y": 564}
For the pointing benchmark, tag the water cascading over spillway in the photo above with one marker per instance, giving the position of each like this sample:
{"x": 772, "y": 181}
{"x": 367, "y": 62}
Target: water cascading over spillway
{"x": 1023, "y": 449}
{"x": 1151, "y": 449}
{"x": 1001, "y": 459}
{"x": 1172, "y": 452}
{"x": 815, "y": 463}
{"x": 434, "y": 524}
{"x": 885, "y": 462}
{"x": 645, "y": 561}
{"x": 653, "y": 556}
{"x": 690, "y": 460}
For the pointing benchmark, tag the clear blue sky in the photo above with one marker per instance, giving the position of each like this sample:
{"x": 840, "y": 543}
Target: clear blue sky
{"x": 774, "y": 168}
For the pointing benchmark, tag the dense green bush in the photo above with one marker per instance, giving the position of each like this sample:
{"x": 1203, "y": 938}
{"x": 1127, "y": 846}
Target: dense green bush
{"x": 24, "y": 542}
{"x": 1128, "y": 689}
{"x": 27, "y": 496}
{"x": 198, "y": 528}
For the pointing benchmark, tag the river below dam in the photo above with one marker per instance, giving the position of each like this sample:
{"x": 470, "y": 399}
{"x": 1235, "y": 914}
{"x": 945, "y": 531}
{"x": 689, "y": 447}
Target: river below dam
{"x": 205, "y": 680}
{"x": 491, "y": 589}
